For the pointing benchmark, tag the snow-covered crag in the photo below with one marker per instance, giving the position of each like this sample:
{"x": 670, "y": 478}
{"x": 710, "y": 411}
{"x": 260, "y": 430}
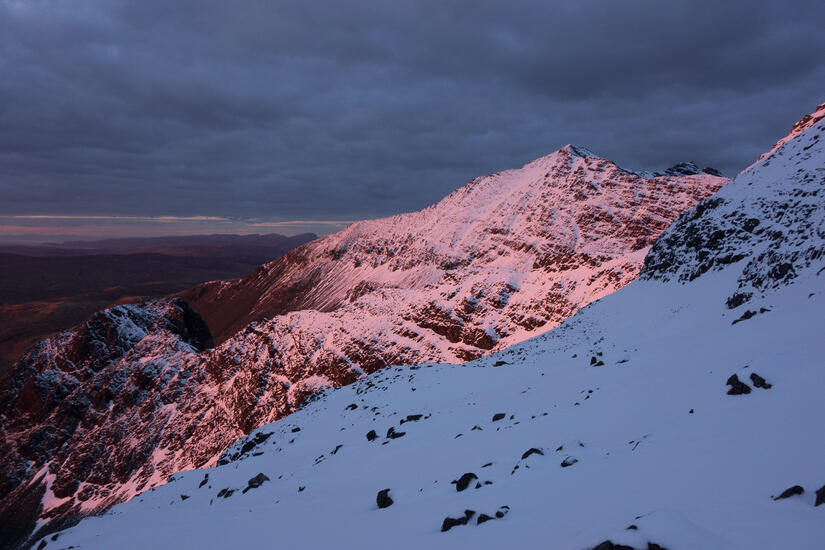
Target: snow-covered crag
{"x": 503, "y": 258}
{"x": 682, "y": 411}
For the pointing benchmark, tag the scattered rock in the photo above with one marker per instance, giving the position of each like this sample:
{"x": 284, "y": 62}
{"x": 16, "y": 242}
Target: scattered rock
{"x": 205, "y": 481}
{"x": 532, "y": 451}
{"x": 449, "y": 522}
{"x": 412, "y": 418}
{"x": 256, "y": 482}
{"x": 745, "y": 316}
{"x": 482, "y": 518}
{"x": 690, "y": 411}
{"x": 500, "y": 363}
{"x": 351, "y": 407}
{"x": 464, "y": 481}
{"x": 759, "y": 382}
{"x": 335, "y": 450}
{"x": 296, "y": 429}
{"x": 371, "y": 435}
{"x": 820, "y": 496}
{"x": 789, "y": 492}
{"x": 654, "y": 546}
{"x": 392, "y": 434}
{"x": 225, "y": 493}
{"x": 631, "y": 528}
{"x": 568, "y": 461}
{"x": 383, "y": 498}
{"x": 301, "y": 488}
{"x": 608, "y": 545}
{"x": 498, "y": 416}
{"x": 737, "y": 387}
{"x": 184, "y": 497}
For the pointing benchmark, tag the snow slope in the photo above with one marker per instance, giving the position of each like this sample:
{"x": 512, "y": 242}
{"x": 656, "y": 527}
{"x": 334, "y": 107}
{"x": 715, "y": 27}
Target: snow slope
{"x": 503, "y": 258}
{"x": 626, "y": 403}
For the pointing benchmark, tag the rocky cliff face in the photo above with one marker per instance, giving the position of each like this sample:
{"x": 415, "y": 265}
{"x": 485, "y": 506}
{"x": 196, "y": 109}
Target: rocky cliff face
{"x": 97, "y": 414}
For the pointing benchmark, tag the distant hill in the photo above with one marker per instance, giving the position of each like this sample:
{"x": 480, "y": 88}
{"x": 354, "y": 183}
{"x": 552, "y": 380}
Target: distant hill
{"x": 48, "y": 288}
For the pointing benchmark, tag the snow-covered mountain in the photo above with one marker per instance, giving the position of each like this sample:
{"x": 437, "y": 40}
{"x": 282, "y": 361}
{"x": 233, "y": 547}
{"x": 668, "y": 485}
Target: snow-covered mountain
{"x": 101, "y": 412}
{"x": 483, "y": 268}
{"x": 679, "y": 412}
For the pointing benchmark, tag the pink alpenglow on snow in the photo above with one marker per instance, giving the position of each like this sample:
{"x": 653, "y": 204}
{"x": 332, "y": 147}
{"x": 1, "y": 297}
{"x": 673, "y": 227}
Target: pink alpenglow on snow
{"x": 135, "y": 395}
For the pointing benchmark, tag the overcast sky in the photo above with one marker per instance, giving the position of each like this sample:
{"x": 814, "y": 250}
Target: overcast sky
{"x": 245, "y": 112}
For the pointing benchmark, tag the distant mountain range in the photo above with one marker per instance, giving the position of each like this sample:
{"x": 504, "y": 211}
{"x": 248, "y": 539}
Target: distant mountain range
{"x": 48, "y": 288}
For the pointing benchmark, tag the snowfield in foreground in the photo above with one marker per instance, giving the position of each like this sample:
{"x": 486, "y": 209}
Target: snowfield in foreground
{"x": 623, "y": 424}
{"x": 701, "y": 480}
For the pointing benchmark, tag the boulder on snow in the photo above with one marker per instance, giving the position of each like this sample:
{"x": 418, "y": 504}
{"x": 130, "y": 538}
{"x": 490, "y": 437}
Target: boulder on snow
{"x": 609, "y": 545}
{"x": 411, "y": 418}
{"x": 383, "y": 498}
{"x": 820, "y": 496}
{"x": 449, "y": 522}
{"x": 464, "y": 481}
{"x": 371, "y": 435}
{"x": 790, "y": 491}
{"x": 392, "y": 434}
{"x": 532, "y": 451}
{"x": 737, "y": 387}
{"x": 256, "y": 482}
{"x": 483, "y": 518}
{"x": 759, "y": 382}
{"x": 568, "y": 461}
{"x": 498, "y": 416}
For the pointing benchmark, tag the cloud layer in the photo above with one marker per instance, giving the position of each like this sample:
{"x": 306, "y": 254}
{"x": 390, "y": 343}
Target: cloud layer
{"x": 335, "y": 110}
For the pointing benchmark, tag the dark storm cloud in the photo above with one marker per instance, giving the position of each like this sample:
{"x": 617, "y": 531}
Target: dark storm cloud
{"x": 342, "y": 110}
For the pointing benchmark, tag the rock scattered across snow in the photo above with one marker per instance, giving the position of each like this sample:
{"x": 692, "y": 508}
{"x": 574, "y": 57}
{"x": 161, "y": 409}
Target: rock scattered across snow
{"x": 568, "y": 461}
{"x": 759, "y": 382}
{"x": 737, "y": 387}
{"x": 464, "y": 481}
{"x": 449, "y": 522}
{"x": 532, "y": 451}
{"x": 790, "y": 492}
{"x": 383, "y": 499}
{"x": 820, "y": 496}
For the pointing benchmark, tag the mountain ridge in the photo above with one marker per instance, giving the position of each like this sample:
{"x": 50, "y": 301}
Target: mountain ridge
{"x": 679, "y": 412}
{"x": 493, "y": 263}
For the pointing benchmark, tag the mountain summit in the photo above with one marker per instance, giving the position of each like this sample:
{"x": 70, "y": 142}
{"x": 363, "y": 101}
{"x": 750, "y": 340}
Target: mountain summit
{"x": 95, "y": 415}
